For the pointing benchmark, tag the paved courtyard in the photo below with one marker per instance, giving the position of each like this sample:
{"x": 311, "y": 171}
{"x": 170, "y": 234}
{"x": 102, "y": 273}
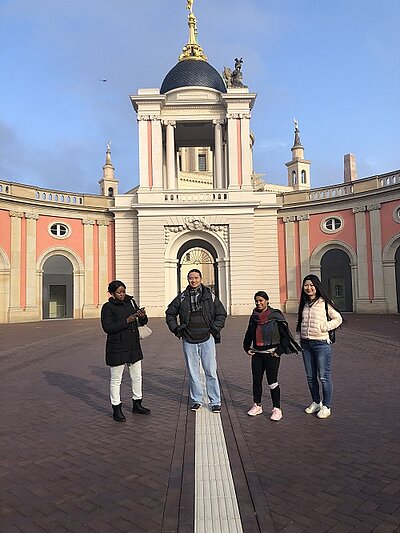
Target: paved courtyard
{"x": 66, "y": 466}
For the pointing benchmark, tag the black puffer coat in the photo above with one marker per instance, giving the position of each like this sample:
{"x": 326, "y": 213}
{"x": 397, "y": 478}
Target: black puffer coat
{"x": 123, "y": 344}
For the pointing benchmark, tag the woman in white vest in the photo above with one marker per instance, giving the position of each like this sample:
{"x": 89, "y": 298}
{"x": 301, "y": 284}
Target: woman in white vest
{"x": 317, "y": 316}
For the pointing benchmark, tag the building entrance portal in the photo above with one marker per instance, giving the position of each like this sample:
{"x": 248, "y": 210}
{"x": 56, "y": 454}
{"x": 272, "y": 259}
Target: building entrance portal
{"x": 57, "y": 288}
{"x": 397, "y": 272}
{"x": 201, "y": 255}
{"x": 336, "y": 278}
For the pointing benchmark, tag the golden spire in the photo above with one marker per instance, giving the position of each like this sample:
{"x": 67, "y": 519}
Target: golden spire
{"x": 192, "y": 50}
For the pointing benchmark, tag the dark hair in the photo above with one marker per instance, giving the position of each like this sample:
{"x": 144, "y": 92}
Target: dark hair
{"x": 195, "y": 270}
{"x": 320, "y": 293}
{"x": 114, "y": 285}
{"x": 262, "y": 294}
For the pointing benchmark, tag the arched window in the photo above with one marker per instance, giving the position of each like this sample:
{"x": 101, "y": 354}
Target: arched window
{"x": 294, "y": 177}
{"x": 303, "y": 176}
{"x": 110, "y": 192}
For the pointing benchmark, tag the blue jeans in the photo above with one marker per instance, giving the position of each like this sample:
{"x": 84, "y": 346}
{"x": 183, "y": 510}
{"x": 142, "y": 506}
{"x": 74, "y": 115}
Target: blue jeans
{"x": 204, "y": 352}
{"x": 317, "y": 362}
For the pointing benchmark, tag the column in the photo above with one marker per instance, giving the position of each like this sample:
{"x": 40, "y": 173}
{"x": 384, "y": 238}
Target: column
{"x": 88, "y": 234}
{"x": 157, "y": 153}
{"x": 31, "y": 278}
{"x": 246, "y": 151}
{"x": 362, "y": 300}
{"x": 232, "y": 128}
{"x": 15, "y": 267}
{"x": 170, "y": 150}
{"x": 218, "y": 152}
{"x": 143, "y": 142}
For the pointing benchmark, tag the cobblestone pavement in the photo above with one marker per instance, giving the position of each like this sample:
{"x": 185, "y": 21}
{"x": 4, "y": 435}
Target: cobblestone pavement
{"x": 66, "y": 466}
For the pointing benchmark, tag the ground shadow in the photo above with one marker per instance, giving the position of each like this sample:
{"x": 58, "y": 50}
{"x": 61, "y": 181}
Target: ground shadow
{"x": 80, "y": 388}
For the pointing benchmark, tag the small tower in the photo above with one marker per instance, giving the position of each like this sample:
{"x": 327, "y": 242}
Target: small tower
{"x": 298, "y": 168}
{"x": 108, "y": 183}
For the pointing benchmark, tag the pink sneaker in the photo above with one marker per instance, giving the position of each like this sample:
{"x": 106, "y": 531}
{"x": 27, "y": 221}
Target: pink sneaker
{"x": 255, "y": 410}
{"x": 276, "y": 414}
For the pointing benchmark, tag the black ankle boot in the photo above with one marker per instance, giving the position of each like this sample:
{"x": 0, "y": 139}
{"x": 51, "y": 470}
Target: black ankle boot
{"x": 118, "y": 415}
{"x": 138, "y": 408}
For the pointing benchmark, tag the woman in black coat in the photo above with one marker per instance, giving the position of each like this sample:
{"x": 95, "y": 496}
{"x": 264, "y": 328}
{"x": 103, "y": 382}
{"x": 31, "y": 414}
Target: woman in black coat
{"x": 266, "y": 339}
{"x": 119, "y": 319}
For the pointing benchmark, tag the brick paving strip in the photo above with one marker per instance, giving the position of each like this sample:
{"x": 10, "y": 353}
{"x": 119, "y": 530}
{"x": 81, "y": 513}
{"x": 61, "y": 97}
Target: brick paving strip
{"x": 66, "y": 466}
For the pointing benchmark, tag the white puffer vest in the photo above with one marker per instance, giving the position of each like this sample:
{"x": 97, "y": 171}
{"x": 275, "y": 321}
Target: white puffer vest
{"x": 315, "y": 325}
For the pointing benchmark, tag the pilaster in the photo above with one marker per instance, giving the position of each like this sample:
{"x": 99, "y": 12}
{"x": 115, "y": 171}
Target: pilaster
{"x": 362, "y": 297}
{"x": 379, "y": 301}
{"x": 15, "y": 310}
{"x": 31, "y": 305}
{"x": 292, "y": 302}
{"x": 89, "y": 308}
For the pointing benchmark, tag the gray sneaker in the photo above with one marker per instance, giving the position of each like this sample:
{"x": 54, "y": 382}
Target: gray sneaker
{"x": 324, "y": 412}
{"x": 215, "y": 408}
{"x": 313, "y": 408}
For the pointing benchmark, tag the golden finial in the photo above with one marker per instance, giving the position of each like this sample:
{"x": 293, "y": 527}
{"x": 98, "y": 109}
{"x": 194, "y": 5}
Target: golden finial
{"x": 192, "y": 50}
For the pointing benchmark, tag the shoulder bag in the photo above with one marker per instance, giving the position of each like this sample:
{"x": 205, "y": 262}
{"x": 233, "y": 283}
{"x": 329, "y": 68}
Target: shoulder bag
{"x": 332, "y": 332}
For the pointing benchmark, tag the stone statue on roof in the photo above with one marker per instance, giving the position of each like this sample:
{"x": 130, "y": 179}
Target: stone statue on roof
{"x": 234, "y": 79}
{"x": 189, "y": 5}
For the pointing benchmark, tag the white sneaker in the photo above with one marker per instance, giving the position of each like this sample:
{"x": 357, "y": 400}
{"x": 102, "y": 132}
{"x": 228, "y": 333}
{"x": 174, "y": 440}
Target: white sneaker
{"x": 324, "y": 412}
{"x": 276, "y": 414}
{"x": 255, "y": 410}
{"x": 313, "y": 408}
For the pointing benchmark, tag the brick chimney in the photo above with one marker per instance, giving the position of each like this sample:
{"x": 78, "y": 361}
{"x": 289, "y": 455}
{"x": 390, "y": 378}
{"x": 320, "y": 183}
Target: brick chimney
{"x": 350, "y": 168}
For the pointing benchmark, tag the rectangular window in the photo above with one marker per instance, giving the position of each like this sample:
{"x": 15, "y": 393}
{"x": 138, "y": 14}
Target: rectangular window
{"x": 202, "y": 162}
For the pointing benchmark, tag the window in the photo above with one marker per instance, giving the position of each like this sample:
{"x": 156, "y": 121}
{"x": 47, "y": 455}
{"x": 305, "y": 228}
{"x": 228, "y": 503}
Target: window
{"x": 294, "y": 177}
{"x": 303, "y": 176}
{"x": 59, "y": 230}
{"x": 396, "y": 214}
{"x": 332, "y": 224}
{"x": 202, "y": 162}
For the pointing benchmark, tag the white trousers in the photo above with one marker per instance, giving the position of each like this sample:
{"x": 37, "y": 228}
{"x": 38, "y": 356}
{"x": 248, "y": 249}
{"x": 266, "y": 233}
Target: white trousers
{"x": 116, "y": 372}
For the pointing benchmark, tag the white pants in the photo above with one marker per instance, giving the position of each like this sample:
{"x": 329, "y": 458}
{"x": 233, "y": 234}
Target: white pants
{"x": 135, "y": 372}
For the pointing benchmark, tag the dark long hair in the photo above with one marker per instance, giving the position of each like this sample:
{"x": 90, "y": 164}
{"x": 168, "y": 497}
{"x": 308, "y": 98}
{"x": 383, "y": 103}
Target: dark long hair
{"x": 320, "y": 293}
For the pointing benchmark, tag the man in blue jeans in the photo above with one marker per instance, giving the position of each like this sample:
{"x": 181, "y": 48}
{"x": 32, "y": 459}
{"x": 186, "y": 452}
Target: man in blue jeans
{"x": 201, "y": 318}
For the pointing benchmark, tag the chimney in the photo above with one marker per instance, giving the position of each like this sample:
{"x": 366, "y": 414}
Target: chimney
{"x": 350, "y": 168}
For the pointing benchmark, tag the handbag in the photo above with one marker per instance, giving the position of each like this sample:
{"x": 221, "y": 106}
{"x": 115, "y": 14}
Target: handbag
{"x": 144, "y": 331}
{"x": 332, "y": 332}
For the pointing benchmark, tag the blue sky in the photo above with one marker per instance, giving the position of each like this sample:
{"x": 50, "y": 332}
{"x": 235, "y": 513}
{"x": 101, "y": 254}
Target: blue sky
{"x": 334, "y": 65}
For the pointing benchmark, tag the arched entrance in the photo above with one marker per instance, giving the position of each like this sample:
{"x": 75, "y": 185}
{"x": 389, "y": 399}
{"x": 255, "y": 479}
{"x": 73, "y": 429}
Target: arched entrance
{"x": 58, "y": 287}
{"x": 199, "y": 254}
{"x": 336, "y": 278}
{"x": 397, "y": 270}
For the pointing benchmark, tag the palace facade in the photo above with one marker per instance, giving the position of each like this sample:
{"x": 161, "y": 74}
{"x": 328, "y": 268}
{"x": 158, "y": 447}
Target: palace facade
{"x": 199, "y": 203}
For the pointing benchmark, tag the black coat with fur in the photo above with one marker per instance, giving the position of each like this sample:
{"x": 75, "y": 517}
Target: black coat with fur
{"x": 123, "y": 344}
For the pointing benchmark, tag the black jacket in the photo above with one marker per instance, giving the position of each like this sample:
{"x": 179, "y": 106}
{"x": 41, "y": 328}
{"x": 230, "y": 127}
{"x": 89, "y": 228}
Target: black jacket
{"x": 213, "y": 311}
{"x": 286, "y": 345}
{"x": 123, "y": 344}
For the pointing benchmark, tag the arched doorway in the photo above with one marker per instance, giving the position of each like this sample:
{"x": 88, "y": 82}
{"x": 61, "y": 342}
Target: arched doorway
{"x": 198, "y": 254}
{"x": 58, "y": 287}
{"x": 397, "y": 270}
{"x": 336, "y": 278}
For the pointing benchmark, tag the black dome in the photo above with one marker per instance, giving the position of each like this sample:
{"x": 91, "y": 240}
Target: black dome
{"x": 193, "y": 72}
